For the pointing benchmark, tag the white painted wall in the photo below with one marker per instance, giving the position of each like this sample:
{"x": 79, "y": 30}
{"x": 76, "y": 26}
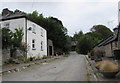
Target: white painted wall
{"x": 15, "y": 23}
{"x": 21, "y": 23}
{"x": 38, "y": 38}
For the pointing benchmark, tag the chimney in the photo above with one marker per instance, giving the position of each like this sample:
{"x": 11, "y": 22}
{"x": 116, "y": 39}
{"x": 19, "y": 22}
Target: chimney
{"x": 115, "y": 31}
{"x": 6, "y": 11}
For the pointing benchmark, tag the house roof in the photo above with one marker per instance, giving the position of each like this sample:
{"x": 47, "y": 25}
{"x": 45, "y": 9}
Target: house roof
{"x": 7, "y": 14}
{"x": 106, "y": 40}
{"x": 11, "y": 16}
{"x": 74, "y": 43}
{"x": 111, "y": 38}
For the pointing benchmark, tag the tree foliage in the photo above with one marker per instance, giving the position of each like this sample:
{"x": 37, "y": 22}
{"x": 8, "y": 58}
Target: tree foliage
{"x": 101, "y": 31}
{"x": 55, "y": 30}
{"x": 77, "y": 35}
{"x": 17, "y": 37}
{"x": 6, "y": 38}
{"x": 84, "y": 44}
{"x": 12, "y": 40}
{"x": 87, "y": 41}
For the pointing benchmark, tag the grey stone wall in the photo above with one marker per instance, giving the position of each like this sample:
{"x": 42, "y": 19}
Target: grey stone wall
{"x": 50, "y": 43}
{"x": 5, "y": 55}
{"x": 0, "y": 57}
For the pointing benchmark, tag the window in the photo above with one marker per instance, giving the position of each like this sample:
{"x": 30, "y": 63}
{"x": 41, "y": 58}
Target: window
{"x": 42, "y": 32}
{"x": 33, "y": 44}
{"x": 7, "y": 25}
{"x": 33, "y": 28}
{"x": 41, "y": 45}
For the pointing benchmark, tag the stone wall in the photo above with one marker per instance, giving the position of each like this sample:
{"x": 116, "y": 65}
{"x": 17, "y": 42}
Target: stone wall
{"x": 0, "y": 57}
{"x": 108, "y": 50}
{"x": 50, "y": 47}
{"x": 5, "y": 55}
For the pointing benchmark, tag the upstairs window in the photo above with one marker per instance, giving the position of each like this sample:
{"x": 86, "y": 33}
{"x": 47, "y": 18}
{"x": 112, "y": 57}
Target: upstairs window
{"x": 7, "y": 25}
{"x": 33, "y": 44}
{"x": 33, "y": 28}
{"x": 41, "y": 45}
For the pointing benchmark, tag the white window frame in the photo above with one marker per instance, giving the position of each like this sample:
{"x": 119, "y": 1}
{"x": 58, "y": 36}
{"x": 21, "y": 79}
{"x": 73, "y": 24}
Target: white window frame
{"x": 7, "y": 25}
{"x": 41, "y": 45}
{"x": 33, "y": 44}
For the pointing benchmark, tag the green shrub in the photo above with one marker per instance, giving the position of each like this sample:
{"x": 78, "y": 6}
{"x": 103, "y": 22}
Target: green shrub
{"x": 31, "y": 58}
{"x": 9, "y": 61}
{"x": 44, "y": 57}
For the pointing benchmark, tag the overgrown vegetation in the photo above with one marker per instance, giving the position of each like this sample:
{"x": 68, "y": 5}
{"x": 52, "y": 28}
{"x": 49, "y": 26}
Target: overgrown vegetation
{"x": 13, "y": 40}
{"x": 88, "y": 40}
{"x": 55, "y": 31}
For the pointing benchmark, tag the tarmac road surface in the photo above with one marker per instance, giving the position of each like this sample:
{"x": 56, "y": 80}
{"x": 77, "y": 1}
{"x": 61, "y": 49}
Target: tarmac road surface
{"x": 72, "y": 68}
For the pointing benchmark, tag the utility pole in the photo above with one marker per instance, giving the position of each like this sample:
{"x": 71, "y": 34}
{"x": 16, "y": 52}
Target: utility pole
{"x": 119, "y": 30}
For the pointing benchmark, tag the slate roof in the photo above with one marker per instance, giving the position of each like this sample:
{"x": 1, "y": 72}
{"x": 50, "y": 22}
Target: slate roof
{"x": 111, "y": 38}
{"x": 11, "y": 16}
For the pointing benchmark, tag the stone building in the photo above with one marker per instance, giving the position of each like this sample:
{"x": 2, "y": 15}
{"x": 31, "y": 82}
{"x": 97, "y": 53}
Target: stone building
{"x": 50, "y": 48}
{"x": 34, "y": 35}
{"x": 108, "y": 45}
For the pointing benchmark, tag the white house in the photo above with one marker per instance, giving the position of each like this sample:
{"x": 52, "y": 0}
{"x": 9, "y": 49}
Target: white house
{"x": 34, "y": 35}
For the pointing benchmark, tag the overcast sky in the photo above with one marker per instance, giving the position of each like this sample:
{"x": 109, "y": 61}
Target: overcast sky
{"x": 75, "y": 15}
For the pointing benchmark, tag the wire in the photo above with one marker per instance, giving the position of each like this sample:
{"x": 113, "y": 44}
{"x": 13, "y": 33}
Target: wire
{"x": 32, "y": 5}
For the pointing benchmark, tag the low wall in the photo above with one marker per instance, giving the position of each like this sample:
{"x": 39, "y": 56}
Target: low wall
{"x": 5, "y": 55}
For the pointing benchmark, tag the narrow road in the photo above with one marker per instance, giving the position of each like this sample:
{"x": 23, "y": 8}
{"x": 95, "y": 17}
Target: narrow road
{"x": 72, "y": 68}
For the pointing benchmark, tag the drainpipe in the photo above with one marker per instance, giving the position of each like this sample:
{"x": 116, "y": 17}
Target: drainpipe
{"x": 26, "y": 34}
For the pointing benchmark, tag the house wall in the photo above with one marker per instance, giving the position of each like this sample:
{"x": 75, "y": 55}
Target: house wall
{"x": 15, "y": 23}
{"x": 38, "y": 39}
{"x": 21, "y": 23}
{"x": 114, "y": 45}
{"x": 108, "y": 50}
{"x": 50, "y": 43}
{"x": 99, "y": 49}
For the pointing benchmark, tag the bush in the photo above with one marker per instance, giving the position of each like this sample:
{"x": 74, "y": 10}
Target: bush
{"x": 84, "y": 44}
{"x": 107, "y": 66}
{"x": 9, "y": 61}
{"x": 44, "y": 57}
{"x": 97, "y": 65}
{"x": 31, "y": 58}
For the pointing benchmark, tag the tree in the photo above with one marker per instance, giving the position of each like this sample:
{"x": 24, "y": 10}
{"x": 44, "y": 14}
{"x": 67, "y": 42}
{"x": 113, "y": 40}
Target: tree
{"x": 101, "y": 31}
{"x": 55, "y": 30}
{"x": 77, "y": 35}
{"x": 17, "y": 37}
{"x": 16, "y": 41}
{"x": 84, "y": 45}
{"x": 87, "y": 41}
{"x": 6, "y": 38}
